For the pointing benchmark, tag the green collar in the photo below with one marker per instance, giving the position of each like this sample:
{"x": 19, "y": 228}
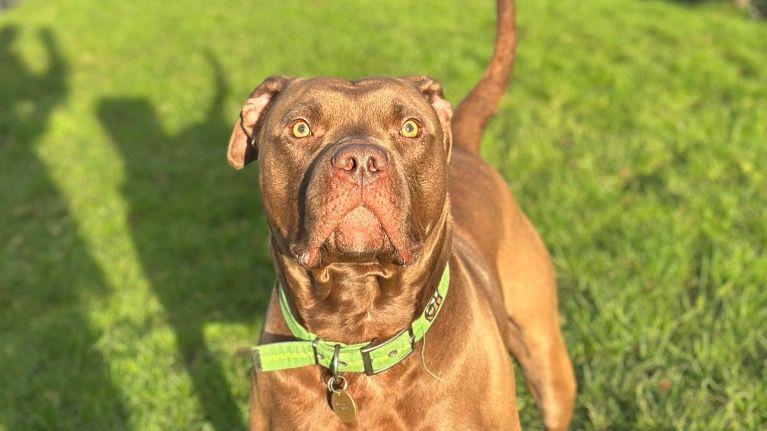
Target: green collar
{"x": 370, "y": 358}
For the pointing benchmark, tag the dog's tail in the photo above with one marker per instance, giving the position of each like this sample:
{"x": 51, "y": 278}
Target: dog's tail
{"x": 481, "y": 103}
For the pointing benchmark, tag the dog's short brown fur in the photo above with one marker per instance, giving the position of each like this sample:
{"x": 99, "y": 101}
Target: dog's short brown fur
{"x": 364, "y": 220}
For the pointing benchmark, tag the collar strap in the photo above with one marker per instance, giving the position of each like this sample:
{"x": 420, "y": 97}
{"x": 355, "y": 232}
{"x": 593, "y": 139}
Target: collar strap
{"x": 370, "y": 358}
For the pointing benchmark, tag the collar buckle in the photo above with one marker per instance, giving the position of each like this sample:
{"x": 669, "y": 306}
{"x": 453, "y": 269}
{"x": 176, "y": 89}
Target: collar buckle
{"x": 314, "y": 350}
{"x": 367, "y": 361}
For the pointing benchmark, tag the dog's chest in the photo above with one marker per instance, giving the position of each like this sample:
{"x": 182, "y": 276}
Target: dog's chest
{"x": 469, "y": 376}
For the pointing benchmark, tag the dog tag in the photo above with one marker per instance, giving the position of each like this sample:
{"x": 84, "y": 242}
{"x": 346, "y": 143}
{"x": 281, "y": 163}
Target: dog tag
{"x": 343, "y": 405}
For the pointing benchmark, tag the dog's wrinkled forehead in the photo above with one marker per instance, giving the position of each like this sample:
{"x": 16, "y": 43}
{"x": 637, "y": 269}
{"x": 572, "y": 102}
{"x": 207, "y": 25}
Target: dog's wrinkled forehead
{"x": 344, "y": 101}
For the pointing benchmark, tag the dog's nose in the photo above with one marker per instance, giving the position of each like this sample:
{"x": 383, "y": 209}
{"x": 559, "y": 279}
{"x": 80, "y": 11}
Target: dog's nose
{"x": 362, "y": 162}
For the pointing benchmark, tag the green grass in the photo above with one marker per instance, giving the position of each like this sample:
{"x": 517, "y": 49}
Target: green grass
{"x": 134, "y": 267}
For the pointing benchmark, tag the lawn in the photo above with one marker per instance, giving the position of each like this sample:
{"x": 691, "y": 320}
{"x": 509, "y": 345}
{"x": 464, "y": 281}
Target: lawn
{"x": 133, "y": 261}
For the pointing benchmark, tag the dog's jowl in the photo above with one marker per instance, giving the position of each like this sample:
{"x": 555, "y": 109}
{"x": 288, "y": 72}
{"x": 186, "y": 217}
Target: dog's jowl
{"x": 406, "y": 272}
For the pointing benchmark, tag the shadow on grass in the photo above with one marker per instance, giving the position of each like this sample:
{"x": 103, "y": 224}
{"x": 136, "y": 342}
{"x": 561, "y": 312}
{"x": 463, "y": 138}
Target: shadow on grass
{"x": 198, "y": 229}
{"x": 51, "y": 374}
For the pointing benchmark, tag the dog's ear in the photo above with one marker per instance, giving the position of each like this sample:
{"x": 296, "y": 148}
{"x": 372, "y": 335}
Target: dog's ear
{"x": 243, "y": 147}
{"x": 432, "y": 90}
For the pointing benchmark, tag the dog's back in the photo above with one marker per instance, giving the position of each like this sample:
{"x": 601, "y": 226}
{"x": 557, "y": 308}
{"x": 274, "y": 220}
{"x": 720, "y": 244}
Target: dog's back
{"x": 489, "y": 223}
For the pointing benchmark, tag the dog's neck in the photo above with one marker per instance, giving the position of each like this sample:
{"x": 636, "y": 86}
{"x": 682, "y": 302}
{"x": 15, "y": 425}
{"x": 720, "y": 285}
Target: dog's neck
{"x": 355, "y": 303}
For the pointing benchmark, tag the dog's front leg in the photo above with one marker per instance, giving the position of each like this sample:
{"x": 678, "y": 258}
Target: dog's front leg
{"x": 258, "y": 419}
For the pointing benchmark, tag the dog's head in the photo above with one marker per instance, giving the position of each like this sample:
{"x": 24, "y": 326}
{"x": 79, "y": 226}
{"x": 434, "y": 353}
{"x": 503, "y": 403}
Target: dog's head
{"x": 349, "y": 171}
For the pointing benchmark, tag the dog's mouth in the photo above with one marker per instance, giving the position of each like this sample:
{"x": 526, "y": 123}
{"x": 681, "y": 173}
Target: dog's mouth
{"x": 360, "y": 232}
{"x": 355, "y": 224}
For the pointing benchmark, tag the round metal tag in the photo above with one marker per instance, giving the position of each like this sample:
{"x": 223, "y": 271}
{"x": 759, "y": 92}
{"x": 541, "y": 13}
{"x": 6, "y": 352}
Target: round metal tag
{"x": 343, "y": 405}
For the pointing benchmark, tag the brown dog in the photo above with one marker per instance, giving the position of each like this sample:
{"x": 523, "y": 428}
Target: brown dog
{"x": 371, "y": 191}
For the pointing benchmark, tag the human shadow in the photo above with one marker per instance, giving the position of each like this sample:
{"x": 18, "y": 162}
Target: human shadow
{"x": 199, "y": 231}
{"x": 51, "y": 374}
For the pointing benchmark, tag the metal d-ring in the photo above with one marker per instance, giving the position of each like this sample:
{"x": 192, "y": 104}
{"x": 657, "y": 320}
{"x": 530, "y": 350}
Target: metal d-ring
{"x": 334, "y": 370}
{"x": 334, "y": 361}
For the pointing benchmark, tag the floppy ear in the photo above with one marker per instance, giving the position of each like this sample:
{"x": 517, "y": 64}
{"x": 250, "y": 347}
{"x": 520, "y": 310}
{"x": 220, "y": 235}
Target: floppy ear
{"x": 243, "y": 147}
{"x": 432, "y": 90}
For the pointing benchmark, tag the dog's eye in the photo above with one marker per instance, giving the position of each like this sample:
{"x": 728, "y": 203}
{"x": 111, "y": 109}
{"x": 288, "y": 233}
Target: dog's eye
{"x": 409, "y": 129}
{"x": 301, "y": 129}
